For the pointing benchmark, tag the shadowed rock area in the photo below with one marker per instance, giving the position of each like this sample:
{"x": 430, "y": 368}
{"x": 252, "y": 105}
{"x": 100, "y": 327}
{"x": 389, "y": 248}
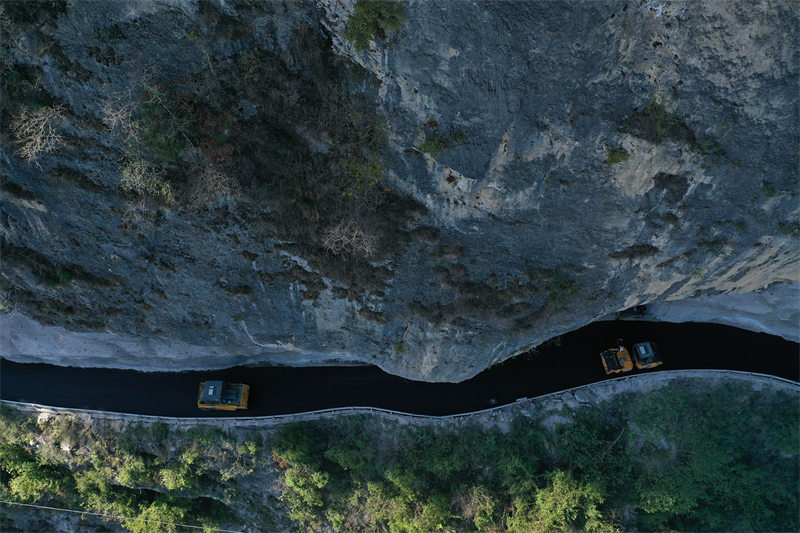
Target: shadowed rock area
{"x": 197, "y": 184}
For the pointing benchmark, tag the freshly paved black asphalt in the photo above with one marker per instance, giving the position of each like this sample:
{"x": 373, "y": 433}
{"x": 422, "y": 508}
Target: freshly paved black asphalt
{"x": 570, "y": 360}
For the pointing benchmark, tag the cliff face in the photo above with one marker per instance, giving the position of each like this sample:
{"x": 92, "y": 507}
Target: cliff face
{"x": 485, "y": 177}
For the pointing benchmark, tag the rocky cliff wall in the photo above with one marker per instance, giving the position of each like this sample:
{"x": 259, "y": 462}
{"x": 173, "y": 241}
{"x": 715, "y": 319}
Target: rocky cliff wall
{"x": 485, "y": 177}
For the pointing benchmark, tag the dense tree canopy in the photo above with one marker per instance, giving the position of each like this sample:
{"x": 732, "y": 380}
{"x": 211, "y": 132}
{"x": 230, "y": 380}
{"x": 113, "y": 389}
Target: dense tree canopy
{"x": 679, "y": 458}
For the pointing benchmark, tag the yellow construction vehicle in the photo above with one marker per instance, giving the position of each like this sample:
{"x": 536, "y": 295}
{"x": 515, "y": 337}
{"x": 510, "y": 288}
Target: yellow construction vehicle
{"x": 645, "y": 355}
{"x": 223, "y": 395}
{"x": 616, "y": 360}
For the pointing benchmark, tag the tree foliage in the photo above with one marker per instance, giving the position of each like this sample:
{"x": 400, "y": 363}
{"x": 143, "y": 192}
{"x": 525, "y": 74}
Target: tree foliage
{"x": 676, "y": 458}
{"x": 64, "y": 462}
{"x": 683, "y": 458}
{"x": 371, "y": 19}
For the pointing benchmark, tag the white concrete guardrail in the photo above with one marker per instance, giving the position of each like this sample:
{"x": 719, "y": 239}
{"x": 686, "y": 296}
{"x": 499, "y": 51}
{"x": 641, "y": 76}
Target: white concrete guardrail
{"x": 660, "y": 378}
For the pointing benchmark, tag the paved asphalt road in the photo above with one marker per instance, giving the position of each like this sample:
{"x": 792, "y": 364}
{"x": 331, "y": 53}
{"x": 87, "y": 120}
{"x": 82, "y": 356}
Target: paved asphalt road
{"x": 568, "y": 361}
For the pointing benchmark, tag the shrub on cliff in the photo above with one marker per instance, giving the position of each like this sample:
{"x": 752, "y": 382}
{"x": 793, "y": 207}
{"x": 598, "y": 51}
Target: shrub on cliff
{"x": 142, "y": 177}
{"x": 36, "y": 131}
{"x": 615, "y": 154}
{"x": 210, "y": 185}
{"x": 434, "y": 144}
{"x": 372, "y": 19}
{"x": 349, "y": 237}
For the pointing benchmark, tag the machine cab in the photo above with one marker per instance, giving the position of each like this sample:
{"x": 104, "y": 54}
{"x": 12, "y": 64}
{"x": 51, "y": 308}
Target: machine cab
{"x": 645, "y": 355}
{"x": 616, "y": 360}
{"x": 222, "y": 395}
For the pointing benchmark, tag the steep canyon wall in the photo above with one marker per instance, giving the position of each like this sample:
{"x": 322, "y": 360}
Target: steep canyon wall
{"x": 233, "y": 182}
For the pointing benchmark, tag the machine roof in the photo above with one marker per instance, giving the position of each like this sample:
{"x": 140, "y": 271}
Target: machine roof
{"x": 612, "y": 363}
{"x": 212, "y": 391}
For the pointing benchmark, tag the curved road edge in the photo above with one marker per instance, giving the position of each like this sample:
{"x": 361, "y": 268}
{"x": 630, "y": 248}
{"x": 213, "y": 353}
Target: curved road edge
{"x": 572, "y": 397}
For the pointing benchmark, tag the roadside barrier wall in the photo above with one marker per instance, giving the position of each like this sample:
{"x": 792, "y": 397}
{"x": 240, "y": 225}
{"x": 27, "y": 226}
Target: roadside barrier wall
{"x": 621, "y": 384}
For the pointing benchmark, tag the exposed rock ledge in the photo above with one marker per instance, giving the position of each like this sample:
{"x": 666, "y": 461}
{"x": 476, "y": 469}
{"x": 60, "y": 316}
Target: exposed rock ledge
{"x": 773, "y": 310}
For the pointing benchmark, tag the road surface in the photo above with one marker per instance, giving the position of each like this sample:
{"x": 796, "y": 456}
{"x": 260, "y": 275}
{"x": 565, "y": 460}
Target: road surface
{"x": 571, "y": 360}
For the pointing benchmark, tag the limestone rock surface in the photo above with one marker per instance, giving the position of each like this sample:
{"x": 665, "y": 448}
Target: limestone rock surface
{"x": 496, "y": 174}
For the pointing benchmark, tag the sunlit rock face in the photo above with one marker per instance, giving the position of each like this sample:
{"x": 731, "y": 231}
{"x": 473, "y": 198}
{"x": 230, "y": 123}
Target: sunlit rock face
{"x": 536, "y": 165}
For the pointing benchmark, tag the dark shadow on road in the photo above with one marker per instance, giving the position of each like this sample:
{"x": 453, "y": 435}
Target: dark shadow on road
{"x": 568, "y": 361}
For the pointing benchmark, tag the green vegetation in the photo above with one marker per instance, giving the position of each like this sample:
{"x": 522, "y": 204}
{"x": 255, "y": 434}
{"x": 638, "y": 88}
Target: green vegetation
{"x": 400, "y": 347}
{"x": 768, "y": 190}
{"x": 365, "y": 176}
{"x": 658, "y": 124}
{"x": 677, "y": 458}
{"x": 172, "y": 122}
{"x": 434, "y": 144}
{"x": 43, "y": 269}
{"x": 660, "y": 119}
{"x": 615, "y": 154}
{"x": 715, "y": 245}
{"x": 687, "y": 457}
{"x": 54, "y": 277}
{"x": 63, "y": 461}
{"x": 163, "y": 127}
{"x": 11, "y": 76}
{"x": 460, "y": 137}
{"x": 143, "y": 178}
{"x": 560, "y": 288}
{"x": 250, "y": 65}
{"x": 720, "y": 474}
{"x": 670, "y": 218}
{"x": 708, "y": 145}
{"x": 64, "y": 275}
{"x": 564, "y": 504}
{"x": 371, "y": 19}
{"x": 789, "y": 228}
{"x": 315, "y": 153}
{"x": 173, "y": 139}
